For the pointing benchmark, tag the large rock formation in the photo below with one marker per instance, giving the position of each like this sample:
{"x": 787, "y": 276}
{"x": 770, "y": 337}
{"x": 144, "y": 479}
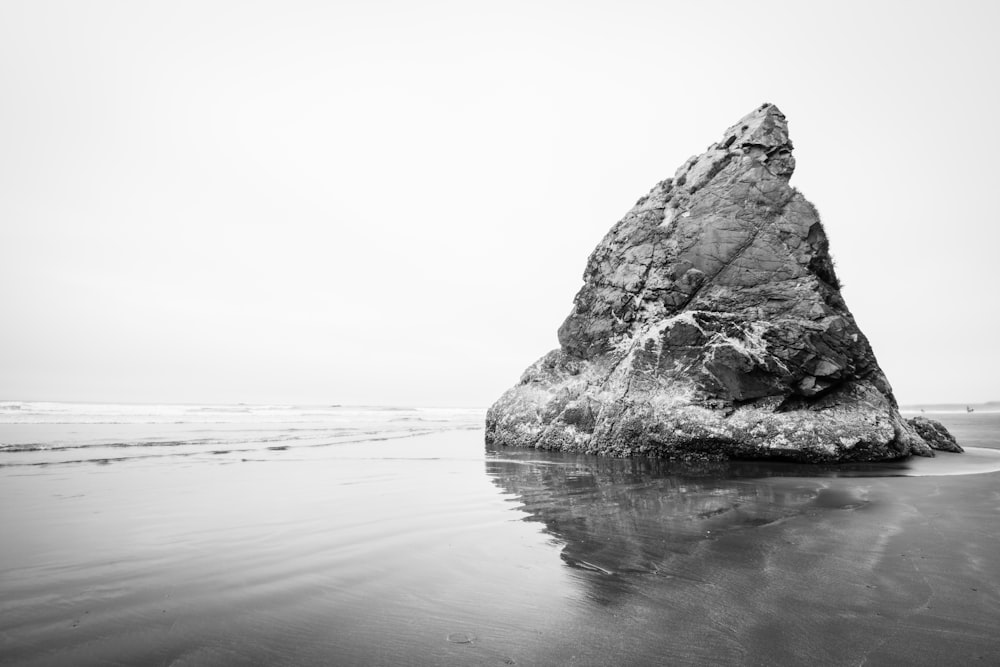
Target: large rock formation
{"x": 711, "y": 325}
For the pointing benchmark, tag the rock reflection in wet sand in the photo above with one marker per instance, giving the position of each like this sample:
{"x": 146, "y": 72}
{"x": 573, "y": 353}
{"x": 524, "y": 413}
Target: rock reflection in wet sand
{"x": 743, "y": 562}
{"x": 618, "y": 516}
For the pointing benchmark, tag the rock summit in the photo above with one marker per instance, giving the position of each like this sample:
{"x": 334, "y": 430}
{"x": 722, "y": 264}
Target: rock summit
{"x": 710, "y": 325}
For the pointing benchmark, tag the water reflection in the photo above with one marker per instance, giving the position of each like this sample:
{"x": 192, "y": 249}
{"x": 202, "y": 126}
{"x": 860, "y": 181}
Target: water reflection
{"x": 621, "y": 519}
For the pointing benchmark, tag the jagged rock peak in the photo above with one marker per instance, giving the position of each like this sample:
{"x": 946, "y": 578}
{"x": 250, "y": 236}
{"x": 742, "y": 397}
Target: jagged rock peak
{"x": 710, "y": 324}
{"x": 762, "y": 134}
{"x": 689, "y": 230}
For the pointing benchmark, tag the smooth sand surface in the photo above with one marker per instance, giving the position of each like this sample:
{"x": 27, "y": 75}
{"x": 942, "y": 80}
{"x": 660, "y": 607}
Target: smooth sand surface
{"x": 776, "y": 570}
{"x": 424, "y": 550}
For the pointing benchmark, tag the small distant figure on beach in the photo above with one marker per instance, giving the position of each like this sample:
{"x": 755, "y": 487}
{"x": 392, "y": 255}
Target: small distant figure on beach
{"x": 969, "y": 409}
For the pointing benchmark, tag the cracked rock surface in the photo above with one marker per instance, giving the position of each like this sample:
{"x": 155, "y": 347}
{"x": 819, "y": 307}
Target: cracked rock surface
{"x": 710, "y": 326}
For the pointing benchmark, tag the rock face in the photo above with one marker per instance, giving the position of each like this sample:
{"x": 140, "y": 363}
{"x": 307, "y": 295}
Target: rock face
{"x": 711, "y": 325}
{"x": 935, "y": 434}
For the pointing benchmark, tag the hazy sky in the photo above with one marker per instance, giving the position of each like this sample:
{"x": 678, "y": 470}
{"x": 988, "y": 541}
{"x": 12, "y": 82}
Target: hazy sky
{"x": 393, "y": 202}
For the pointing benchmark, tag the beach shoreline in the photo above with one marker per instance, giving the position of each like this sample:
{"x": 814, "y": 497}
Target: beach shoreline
{"x": 426, "y": 548}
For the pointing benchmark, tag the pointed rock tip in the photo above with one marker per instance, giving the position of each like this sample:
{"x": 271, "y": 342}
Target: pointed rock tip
{"x": 768, "y": 108}
{"x": 762, "y": 134}
{"x": 764, "y": 126}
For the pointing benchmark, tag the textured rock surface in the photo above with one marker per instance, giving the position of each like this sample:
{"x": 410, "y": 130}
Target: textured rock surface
{"x": 711, "y": 325}
{"x": 935, "y": 434}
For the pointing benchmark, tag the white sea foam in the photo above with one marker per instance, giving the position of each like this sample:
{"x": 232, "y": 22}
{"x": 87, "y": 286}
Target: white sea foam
{"x": 42, "y": 412}
{"x": 45, "y": 433}
{"x": 974, "y": 461}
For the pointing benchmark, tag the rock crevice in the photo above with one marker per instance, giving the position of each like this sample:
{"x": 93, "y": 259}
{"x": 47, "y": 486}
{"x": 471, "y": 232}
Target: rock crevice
{"x": 711, "y": 325}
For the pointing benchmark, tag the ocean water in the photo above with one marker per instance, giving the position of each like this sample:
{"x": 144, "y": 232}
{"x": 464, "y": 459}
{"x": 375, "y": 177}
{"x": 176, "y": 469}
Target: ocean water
{"x": 337, "y": 535}
{"x": 37, "y": 433}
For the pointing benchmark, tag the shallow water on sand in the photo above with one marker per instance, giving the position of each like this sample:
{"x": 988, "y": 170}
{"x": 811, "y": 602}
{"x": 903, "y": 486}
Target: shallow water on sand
{"x": 375, "y": 540}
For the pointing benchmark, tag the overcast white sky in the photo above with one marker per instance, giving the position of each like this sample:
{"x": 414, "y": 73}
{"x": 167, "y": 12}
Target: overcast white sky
{"x": 393, "y": 202}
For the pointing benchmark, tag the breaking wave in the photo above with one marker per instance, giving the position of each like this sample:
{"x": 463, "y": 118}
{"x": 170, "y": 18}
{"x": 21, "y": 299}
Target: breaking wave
{"x": 48, "y": 433}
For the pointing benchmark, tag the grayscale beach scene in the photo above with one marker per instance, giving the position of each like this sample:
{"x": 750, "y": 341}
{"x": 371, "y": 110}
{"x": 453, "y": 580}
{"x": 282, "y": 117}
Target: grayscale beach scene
{"x": 465, "y": 334}
{"x": 248, "y": 535}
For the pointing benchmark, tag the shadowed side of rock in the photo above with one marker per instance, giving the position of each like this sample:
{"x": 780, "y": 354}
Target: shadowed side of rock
{"x": 711, "y": 325}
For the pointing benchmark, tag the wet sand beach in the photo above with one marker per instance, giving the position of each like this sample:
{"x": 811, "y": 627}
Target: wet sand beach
{"x": 417, "y": 547}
